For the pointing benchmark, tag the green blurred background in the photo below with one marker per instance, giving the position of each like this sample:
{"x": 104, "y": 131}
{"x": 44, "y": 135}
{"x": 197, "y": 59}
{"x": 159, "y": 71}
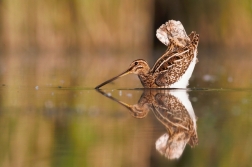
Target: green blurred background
{"x": 67, "y": 42}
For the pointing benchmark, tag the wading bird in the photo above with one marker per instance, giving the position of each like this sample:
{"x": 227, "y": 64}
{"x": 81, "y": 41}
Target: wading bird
{"x": 172, "y": 70}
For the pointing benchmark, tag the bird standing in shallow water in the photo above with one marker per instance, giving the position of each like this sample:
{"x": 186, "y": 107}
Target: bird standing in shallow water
{"x": 172, "y": 70}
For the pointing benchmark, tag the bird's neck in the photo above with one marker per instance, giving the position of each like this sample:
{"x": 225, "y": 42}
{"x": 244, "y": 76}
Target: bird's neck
{"x": 146, "y": 79}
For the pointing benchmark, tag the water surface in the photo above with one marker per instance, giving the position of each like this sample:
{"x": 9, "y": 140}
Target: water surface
{"x": 74, "y": 126}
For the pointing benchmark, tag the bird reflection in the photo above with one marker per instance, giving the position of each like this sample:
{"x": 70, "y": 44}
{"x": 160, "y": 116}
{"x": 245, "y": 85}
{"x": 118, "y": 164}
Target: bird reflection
{"x": 174, "y": 110}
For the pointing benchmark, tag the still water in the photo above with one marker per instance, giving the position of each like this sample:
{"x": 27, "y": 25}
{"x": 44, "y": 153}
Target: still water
{"x": 62, "y": 126}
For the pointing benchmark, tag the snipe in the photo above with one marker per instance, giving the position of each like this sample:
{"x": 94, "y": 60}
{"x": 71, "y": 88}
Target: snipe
{"x": 172, "y": 70}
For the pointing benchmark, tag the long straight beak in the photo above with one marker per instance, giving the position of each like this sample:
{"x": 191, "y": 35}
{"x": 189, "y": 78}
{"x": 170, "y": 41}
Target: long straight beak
{"x": 114, "y": 78}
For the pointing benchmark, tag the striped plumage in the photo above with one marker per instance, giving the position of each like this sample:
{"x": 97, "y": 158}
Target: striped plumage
{"x": 172, "y": 70}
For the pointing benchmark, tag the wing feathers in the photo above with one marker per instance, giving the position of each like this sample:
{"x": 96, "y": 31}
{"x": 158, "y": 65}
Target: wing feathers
{"x": 170, "y": 67}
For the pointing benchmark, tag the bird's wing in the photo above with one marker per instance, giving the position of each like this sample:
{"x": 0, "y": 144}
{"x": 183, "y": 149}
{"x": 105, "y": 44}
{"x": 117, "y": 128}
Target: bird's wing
{"x": 171, "y": 66}
{"x": 174, "y": 63}
{"x": 167, "y": 60}
{"x": 173, "y": 53}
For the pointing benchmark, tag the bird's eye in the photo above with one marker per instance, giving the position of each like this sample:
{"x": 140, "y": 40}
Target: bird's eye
{"x": 136, "y": 63}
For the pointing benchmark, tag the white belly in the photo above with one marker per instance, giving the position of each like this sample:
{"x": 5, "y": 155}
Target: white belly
{"x": 183, "y": 81}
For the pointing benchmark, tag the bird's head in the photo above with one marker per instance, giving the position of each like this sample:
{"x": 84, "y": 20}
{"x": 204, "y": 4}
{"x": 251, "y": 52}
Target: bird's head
{"x": 138, "y": 66}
